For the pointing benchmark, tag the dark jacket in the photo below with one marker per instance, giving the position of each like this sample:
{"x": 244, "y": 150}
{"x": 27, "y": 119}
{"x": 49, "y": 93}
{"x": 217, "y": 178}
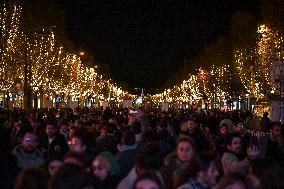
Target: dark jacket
{"x": 200, "y": 139}
{"x": 172, "y": 170}
{"x": 26, "y": 160}
{"x": 47, "y": 148}
{"x": 125, "y": 158}
{"x": 109, "y": 183}
{"x": 8, "y": 170}
{"x": 275, "y": 151}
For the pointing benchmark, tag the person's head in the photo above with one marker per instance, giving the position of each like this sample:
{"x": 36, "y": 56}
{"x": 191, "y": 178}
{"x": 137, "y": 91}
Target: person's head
{"x": 233, "y": 143}
{"x": 192, "y": 125}
{"x": 110, "y": 128}
{"x": 29, "y": 142}
{"x": 265, "y": 173}
{"x": 80, "y": 159}
{"x": 64, "y": 127}
{"x": 71, "y": 132}
{"x": 150, "y": 135}
{"x": 148, "y": 180}
{"x": 202, "y": 167}
{"x": 265, "y": 114}
{"x": 128, "y": 137}
{"x": 81, "y": 140}
{"x": 77, "y": 145}
{"x": 185, "y": 149}
{"x": 53, "y": 164}
{"x": 275, "y": 130}
{"x": 223, "y": 129}
{"x": 105, "y": 165}
{"x": 71, "y": 176}
{"x": 149, "y": 158}
{"x": 31, "y": 178}
{"x": 50, "y": 130}
{"x": 112, "y": 120}
{"x": 240, "y": 128}
{"x": 233, "y": 181}
{"x": 84, "y": 118}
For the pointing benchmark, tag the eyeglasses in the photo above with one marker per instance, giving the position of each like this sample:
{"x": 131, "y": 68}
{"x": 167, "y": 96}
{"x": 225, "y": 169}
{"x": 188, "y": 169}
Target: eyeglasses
{"x": 31, "y": 140}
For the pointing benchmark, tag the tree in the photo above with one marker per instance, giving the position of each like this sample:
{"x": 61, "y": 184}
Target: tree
{"x": 10, "y": 59}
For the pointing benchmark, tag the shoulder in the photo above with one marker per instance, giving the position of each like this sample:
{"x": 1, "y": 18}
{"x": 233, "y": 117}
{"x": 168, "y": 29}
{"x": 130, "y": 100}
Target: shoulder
{"x": 128, "y": 181}
{"x": 17, "y": 150}
{"x": 228, "y": 155}
{"x": 169, "y": 159}
{"x": 185, "y": 186}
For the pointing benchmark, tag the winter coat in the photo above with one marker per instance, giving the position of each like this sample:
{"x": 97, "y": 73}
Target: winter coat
{"x": 172, "y": 170}
{"x": 26, "y": 160}
{"x": 232, "y": 164}
{"x": 125, "y": 158}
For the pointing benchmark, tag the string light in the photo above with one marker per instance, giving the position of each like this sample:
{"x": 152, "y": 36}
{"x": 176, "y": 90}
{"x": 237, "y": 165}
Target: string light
{"x": 52, "y": 69}
{"x": 251, "y": 66}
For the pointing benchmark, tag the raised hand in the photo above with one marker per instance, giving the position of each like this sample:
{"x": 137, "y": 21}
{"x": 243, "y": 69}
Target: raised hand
{"x": 252, "y": 152}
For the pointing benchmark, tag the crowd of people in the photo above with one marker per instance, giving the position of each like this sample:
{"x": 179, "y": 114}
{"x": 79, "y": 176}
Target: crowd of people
{"x": 115, "y": 148}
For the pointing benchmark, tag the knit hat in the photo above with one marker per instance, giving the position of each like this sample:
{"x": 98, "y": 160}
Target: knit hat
{"x": 107, "y": 161}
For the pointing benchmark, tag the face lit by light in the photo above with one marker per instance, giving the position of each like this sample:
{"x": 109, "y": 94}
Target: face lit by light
{"x": 184, "y": 151}
{"x": 191, "y": 125}
{"x": 99, "y": 171}
{"x": 236, "y": 145}
{"x": 146, "y": 184}
{"x": 54, "y": 166}
{"x": 77, "y": 145}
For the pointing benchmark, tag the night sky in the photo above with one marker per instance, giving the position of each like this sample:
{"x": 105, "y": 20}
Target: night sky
{"x": 144, "y": 42}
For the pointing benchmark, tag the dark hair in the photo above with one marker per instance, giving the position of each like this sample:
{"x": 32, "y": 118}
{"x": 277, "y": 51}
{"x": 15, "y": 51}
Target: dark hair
{"x": 150, "y": 157}
{"x": 111, "y": 128}
{"x": 150, "y": 135}
{"x": 31, "y": 178}
{"x": 53, "y": 157}
{"x": 193, "y": 119}
{"x": 108, "y": 143}
{"x": 268, "y": 172}
{"x": 187, "y": 139}
{"x": 80, "y": 157}
{"x": 137, "y": 127}
{"x": 200, "y": 162}
{"x": 229, "y": 138}
{"x": 223, "y": 125}
{"x": 128, "y": 137}
{"x": 85, "y": 136}
{"x": 64, "y": 122}
{"x": 51, "y": 123}
{"x": 149, "y": 175}
{"x": 70, "y": 176}
{"x": 265, "y": 114}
